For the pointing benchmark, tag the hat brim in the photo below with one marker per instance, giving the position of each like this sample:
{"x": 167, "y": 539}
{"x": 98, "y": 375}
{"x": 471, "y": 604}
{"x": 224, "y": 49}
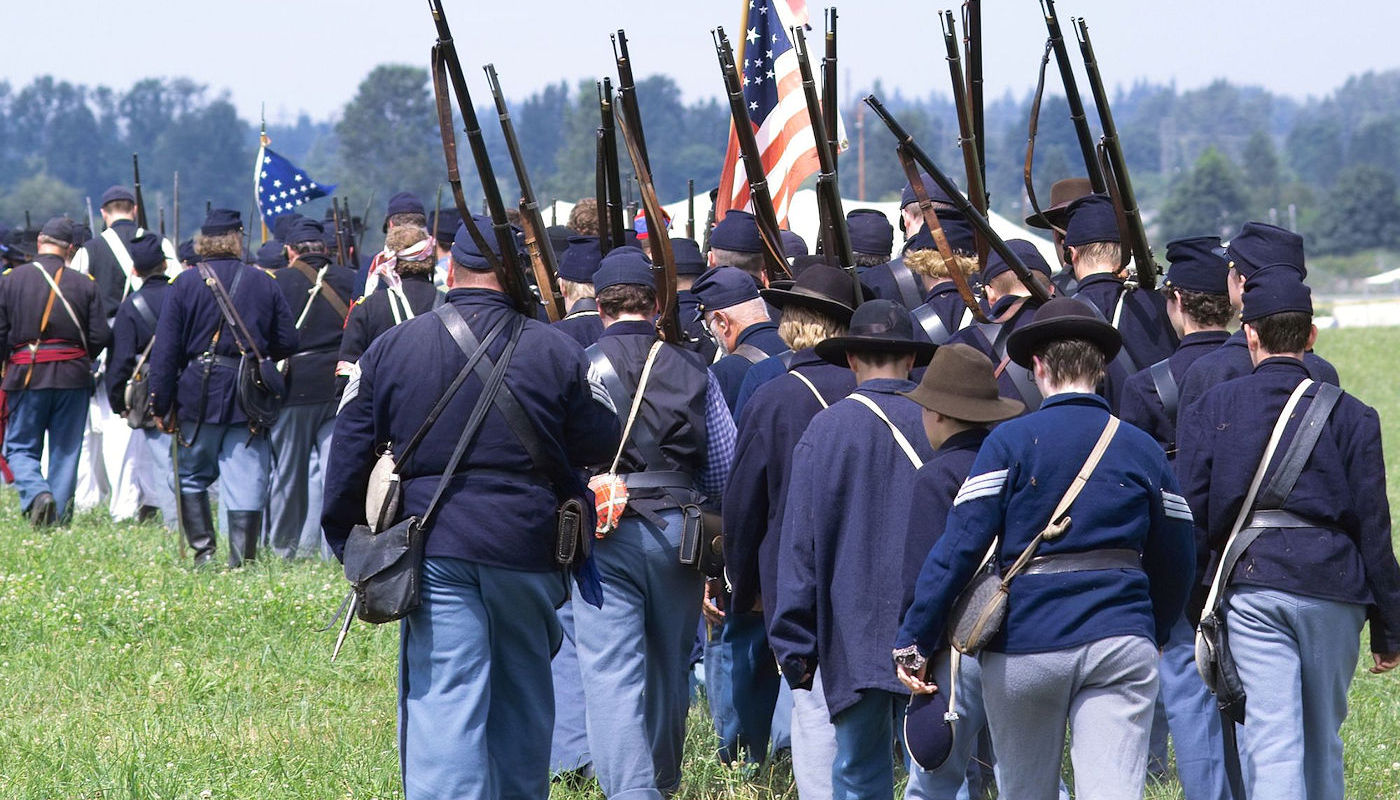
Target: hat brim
{"x": 782, "y": 298}
{"x": 835, "y": 349}
{"x": 927, "y": 733}
{"x": 967, "y": 409}
{"x": 1024, "y": 340}
{"x": 1055, "y": 216}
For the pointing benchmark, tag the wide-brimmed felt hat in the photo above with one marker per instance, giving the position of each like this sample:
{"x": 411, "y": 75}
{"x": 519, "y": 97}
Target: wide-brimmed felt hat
{"x": 824, "y": 289}
{"x": 1063, "y": 318}
{"x": 960, "y": 383}
{"x": 879, "y": 326}
{"x": 927, "y": 732}
{"x": 1062, "y": 193}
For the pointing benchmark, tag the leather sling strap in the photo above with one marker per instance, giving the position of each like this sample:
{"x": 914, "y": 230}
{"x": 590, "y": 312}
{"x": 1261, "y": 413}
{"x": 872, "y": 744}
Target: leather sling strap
{"x": 906, "y": 283}
{"x": 815, "y": 393}
{"x": 480, "y": 352}
{"x": 318, "y": 281}
{"x": 1281, "y": 483}
{"x": 1122, "y": 359}
{"x": 505, "y": 402}
{"x": 932, "y": 324}
{"x": 55, "y": 292}
{"x": 636, "y": 402}
{"x": 995, "y": 334}
{"x": 1167, "y": 390}
{"x": 643, "y": 437}
{"x": 242, "y": 335}
{"x": 749, "y": 353}
{"x": 495, "y": 382}
{"x": 899, "y": 437}
{"x": 123, "y": 256}
{"x": 143, "y": 308}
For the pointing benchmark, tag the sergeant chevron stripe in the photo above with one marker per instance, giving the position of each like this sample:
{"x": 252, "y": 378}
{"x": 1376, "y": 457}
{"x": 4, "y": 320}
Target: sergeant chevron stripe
{"x": 985, "y": 485}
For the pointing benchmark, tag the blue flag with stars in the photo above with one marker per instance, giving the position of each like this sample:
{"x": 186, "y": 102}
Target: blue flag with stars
{"x": 282, "y": 186}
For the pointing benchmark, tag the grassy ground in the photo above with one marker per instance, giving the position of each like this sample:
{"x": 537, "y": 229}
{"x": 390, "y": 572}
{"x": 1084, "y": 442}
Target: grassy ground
{"x": 123, "y": 674}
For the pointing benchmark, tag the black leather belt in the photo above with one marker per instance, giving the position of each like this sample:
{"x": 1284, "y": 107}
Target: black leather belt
{"x": 231, "y": 362}
{"x": 1083, "y": 562}
{"x": 1278, "y": 518}
{"x": 661, "y": 479}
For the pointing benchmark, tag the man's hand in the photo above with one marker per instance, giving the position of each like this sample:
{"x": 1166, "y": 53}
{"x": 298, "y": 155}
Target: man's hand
{"x": 712, "y": 607}
{"x": 162, "y": 426}
{"x": 914, "y": 681}
{"x": 1385, "y": 662}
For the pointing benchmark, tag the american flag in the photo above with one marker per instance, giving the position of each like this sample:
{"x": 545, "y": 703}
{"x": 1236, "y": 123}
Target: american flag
{"x": 282, "y": 186}
{"x": 777, "y": 108}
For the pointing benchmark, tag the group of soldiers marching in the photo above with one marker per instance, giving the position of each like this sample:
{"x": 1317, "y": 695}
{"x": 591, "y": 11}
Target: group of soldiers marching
{"x": 795, "y": 493}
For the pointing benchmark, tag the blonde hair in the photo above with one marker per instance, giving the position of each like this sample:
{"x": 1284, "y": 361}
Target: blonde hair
{"x": 929, "y": 263}
{"x": 402, "y": 237}
{"x": 229, "y": 245}
{"x": 802, "y": 327}
{"x": 583, "y": 219}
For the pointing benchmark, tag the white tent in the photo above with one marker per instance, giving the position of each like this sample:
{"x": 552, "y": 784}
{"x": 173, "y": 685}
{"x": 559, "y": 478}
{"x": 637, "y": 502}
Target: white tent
{"x": 804, "y": 220}
{"x": 1384, "y": 279}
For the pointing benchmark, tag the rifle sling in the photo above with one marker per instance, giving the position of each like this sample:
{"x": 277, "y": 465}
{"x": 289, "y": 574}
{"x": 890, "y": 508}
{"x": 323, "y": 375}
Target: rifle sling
{"x": 1167, "y": 390}
{"x": 909, "y": 292}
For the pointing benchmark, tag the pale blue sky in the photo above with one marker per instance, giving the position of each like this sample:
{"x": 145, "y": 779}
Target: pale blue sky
{"x": 311, "y": 54}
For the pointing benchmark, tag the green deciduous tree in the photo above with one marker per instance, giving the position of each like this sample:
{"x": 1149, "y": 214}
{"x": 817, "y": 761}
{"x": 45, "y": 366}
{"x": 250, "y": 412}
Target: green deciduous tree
{"x": 1209, "y": 200}
{"x": 1361, "y": 211}
{"x": 389, "y": 137}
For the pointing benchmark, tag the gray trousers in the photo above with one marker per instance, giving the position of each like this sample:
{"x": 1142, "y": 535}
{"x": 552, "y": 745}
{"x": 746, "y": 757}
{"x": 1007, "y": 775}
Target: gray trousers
{"x": 301, "y": 435}
{"x": 1104, "y": 690}
{"x": 1296, "y": 656}
{"x": 813, "y": 741}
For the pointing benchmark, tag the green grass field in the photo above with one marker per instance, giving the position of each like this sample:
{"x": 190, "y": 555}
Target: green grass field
{"x": 124, "y": 674}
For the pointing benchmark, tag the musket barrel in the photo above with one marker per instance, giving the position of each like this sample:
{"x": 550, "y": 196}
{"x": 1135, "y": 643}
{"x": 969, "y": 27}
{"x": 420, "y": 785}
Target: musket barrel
{"x": 1076, "y": 103}
{"x": 837, "y": 237}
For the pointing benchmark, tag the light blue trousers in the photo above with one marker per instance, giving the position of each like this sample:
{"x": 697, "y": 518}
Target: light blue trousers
{"x": 475, "y": 706}
{"x": 37, "y": 416}
{"x": 156, "y": 478}
{"x": 634, "y": 654}
{"x": 568, "y": 749}
{"x": 813, "y": 741}
{"x": 1193, "y": 719}
{"x": 232, "y": 452}
{"x": 298, "y": 441}
{"x": 1296, "y": 656}
{"x": 866, "y": 737}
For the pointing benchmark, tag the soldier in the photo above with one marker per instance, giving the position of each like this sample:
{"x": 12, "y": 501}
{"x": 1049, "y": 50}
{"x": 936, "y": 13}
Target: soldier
{"x": 872, "y": 238}
{"x": 475, "y": 707}
{"x": 133, "y": 336}
{"x": 1298, "y": 572}
{"x": 735, "y": 242}
{"x": 1108, "y": 578}
{"x": 413, "y": 295}
{"x": 107, "y": 257}
{"x": 271, "y": 256}
{"x": 839, "y": 542}
{"x": 960, "y": 404}
{"x": 1091, "y": 234}
{"x": 894, "y": 280}
{"x": 690, "y": 264}
{"x": 447, "y": 223}
{"x": 194, "y": 366}
{"x": 576, "y": 268}
{"x": 53, "y": 324}
{"x": 1011, "y": 307}
{"x": 1258, "y": 245}
{"x": 816, "y": 308}
{"x": 634, "y": 650}
{"x": 1062, "y": 193}
{"x": 736, "y": 318}
{"x": 404, "y": 208}
{"x": 793, "y": 245}
{"x": 300, "y": 439}
{"x": 943, "y": 312}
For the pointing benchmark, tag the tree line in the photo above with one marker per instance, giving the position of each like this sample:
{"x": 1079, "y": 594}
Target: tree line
{"x": 1203, "y": 160}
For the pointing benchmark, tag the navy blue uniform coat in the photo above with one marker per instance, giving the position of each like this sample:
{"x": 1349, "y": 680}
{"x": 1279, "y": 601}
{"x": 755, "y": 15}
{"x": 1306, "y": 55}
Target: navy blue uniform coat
{"x": 843, "y": 545}
{"x": 731, "y": 369}
{"x": 582, "y": 324}
{"x": 498, "y": 520}
{"x": 1020, "y": 475}
{"x": 130, "y": 335}
{"x": 772, "y": 422}
{"x": 1348, "y": 557}
{"x": 311, "y": 371}
{"x": 23, "y": 295}
{"x": 1139, "y": 403}
{"x": 1231, "y": 360}
{"x": 1148, "y": 336}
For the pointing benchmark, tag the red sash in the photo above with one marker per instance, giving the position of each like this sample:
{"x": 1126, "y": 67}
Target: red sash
{"x": 48, "y": 351}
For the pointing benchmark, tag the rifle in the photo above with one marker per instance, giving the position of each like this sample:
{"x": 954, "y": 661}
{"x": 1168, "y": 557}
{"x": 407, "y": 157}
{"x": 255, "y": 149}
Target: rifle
{"x": 162, "y": 222}
{"x": 447, "y": 68}
{"x": 829, "y": 102}
{"x": 774, "y": 262}
{"x": 1030, "y": 141}
{"x": 177, "y": 208}
{"x": 340, "y": 253}
{"x": 627, "y": 91}
{"x": 690, "y": 209}
{"x": 1029, "y": 278}
{"x": 136, "y": 189}
{"x": 437, "y": 213}
{"x": 91, "y": 221}
{"x": 1076, "y": 105}
{"x": 1142, "y": 269}
{"x": 663, "y": 258}
{"x": 967, "y": 135}
{"x": 600, "y": 190}
{"x": 537, "y": 242}
{"x": 836, "y": 236}
{"x": 360, "y": 237}
{"x": 972, "y": 41}
{"x": 613, "y": 185}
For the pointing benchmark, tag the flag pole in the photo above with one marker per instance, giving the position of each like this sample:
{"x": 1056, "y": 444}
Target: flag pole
{"x": 263, "y": 142}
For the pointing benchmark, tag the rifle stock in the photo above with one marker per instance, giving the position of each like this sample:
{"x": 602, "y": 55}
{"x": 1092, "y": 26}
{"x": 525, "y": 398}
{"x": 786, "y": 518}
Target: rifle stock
{"x": 775, "y": 264}
{"x": 1028, "y": 277}
{"x": 1120, "y": 185}
{"x": 447, "y": 68}
{"x": 1076, "y": 103}
{"x": 836, "y": 236}
{"x": 663, "y": 258}
{"x": 537, "y": 244}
